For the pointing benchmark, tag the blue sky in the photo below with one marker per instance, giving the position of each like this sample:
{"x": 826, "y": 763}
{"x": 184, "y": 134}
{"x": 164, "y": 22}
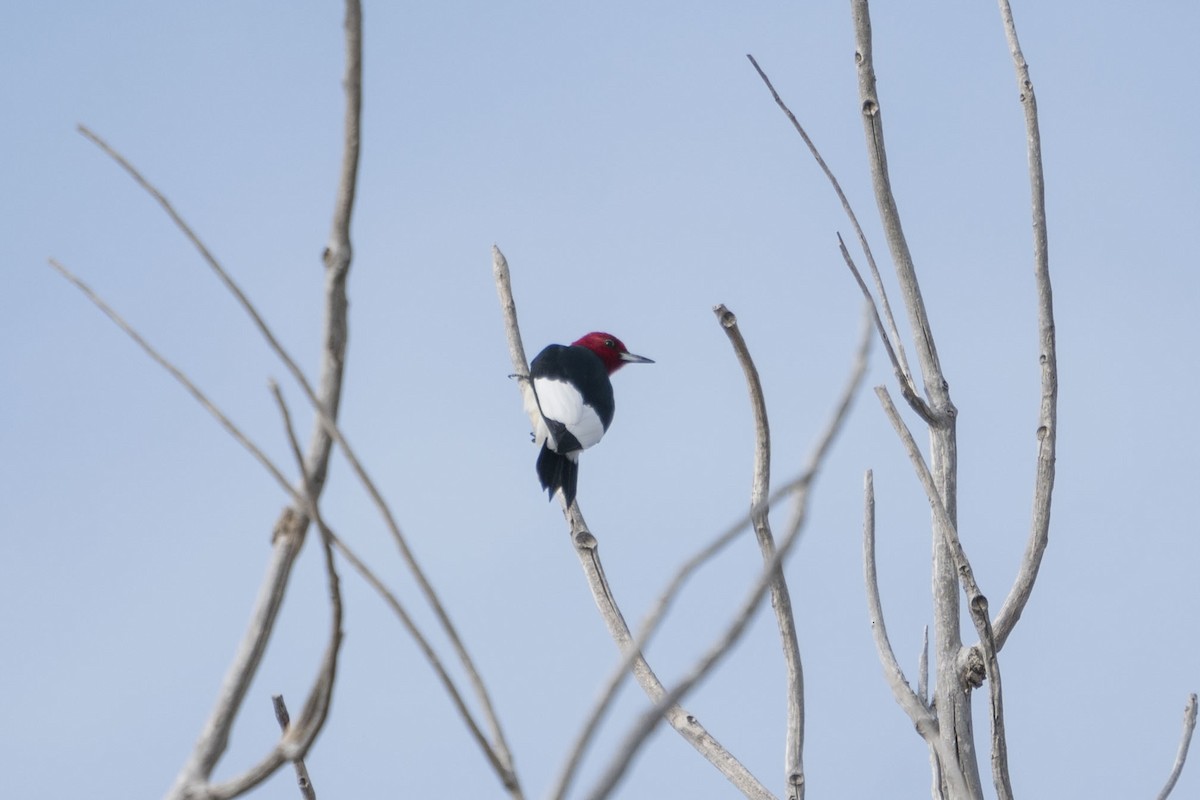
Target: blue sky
{"x": 635, "y": 172}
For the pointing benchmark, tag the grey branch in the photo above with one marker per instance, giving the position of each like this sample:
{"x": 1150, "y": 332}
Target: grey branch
{"x": 889, "y": 334}
{"x": 1185, "y": 741}
{"x": 1047, "y": 431}
{"x": 718, "y": 650}
{"x": 302, "y": 780}
{"x": 797, "y": 487}
{"x": 909, "y": 700}
{"x": 889, "y": 214}
{"x": 337, "y": 260}
{"x": 907, "y": 389}
{"x": 976, "y": 601}
{"x": 913, "y": 703}
{"x": 297, "y": 739}
{"x": 316, "y": 708}
{"x": 289, "y": 534}
{"x": 587, "y": 551}
{"x": 781, "y": 599}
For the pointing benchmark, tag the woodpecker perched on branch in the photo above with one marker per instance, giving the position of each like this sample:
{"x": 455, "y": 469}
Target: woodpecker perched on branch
{"x": 575, "y": 404}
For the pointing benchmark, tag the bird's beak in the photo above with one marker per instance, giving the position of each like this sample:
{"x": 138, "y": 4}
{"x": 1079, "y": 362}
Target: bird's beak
{"x": 630, "y": 358}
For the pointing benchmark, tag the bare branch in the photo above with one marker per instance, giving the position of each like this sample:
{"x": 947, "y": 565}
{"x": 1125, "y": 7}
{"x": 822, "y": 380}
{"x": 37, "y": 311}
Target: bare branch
{"x": 717, "y": 651}
{"x": 302, "y": 780}
{"x": 195, "y": 391}
{"x": 1047, "y": 432}
{"x": 286, "y": 543}
{"x": 316, "y": 708}
{"x": 909, "y": 700}
{"x": 976, "y": 601}
{"x": 907, "y": 389}
{"x": 587, "y": 551}
{"x": 912, "y": 702}
{"x": 297, "y": 740}
{"x": 289, "y": 534}
{"x": 889, "y": 214}
{"x": 798, "y": 487}
{"x": 337, "y": 259}
{"x": 891, "y": 334}
{"x": 1185, "y": 741}
{"x": 214, "y": 738}
{"x": 780, "y": 596}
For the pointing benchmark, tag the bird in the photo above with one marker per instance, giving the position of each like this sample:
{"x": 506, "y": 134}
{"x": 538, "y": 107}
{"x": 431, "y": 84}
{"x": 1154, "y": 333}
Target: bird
{"x": 573, "y": 398}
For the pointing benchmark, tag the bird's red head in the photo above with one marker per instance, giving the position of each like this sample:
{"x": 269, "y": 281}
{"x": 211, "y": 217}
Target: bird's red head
{"x": 612, "y": 351}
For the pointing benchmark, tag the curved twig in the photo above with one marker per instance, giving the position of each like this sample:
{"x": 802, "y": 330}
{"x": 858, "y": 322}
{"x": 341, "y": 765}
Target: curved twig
{"x": 781, "y": 599}
{"x": 1185, "y": 741}
{"x": 909, "y": 700}
{"x": 1047, "y": 432}
{"x": 890, "y": 334}
{"x": 907, "y": 389}
{"x": 297, "y": 739}
{"x": 587, "y": 551}
{"x": 316, "y": 707}
{"x": 912, "y": 702}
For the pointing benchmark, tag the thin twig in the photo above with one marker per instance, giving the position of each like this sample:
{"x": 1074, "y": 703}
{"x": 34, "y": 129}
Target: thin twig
{"x": 316, "y": 708}
{"x": 781, "y": 600}
{"x": 587, "y": 551}
{"x": 286, "y": 543}
{"x": 909, "y": 700}
{"x": 337, "y": 259}
{"x": 1185, "y": 741}
{"x": 976, "y": 601}
{"x": 176, "y": 373}
{"x": 426, "y": 649}
{"x": 1047, "y": 432}
{"x": 302, "y": 780}
{"x": 914, "y": 706}
{"x": 890, "y": 334}
{"x": 907, "y": 389}
{"x": 297, "y": 739}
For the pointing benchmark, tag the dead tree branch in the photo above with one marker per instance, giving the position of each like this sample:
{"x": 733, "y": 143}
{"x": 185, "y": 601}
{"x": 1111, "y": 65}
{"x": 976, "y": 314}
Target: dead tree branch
{"x": 587, "y": 551}
{"x": 977, "y": 603}
{"x": 780, "y": 596}
{"x": 1185, "y": 741}
{"x": 1047, "y": 431}
{"x": 890, "y": 334}
{"x": 284, "y": 719}
{"x": 797, "y": 487}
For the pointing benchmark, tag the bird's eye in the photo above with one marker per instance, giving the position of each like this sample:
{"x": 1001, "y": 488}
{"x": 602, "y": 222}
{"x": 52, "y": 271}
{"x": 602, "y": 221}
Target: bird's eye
{"x": 609, "y": 343}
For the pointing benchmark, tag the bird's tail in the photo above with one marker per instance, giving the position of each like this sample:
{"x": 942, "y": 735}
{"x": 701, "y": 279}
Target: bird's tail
{"x": 557, "y": 471}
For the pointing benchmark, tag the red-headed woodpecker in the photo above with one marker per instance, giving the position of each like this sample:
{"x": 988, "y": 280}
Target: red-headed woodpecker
{"x": 575, "y": 404}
